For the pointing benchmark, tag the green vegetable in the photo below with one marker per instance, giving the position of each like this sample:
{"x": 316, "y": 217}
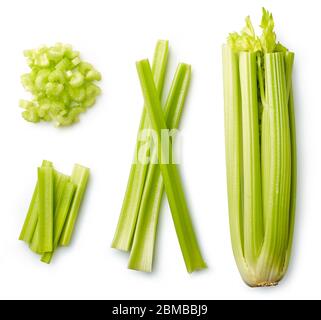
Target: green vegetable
{"x": 45, "y": 215}
{"x": 54, "y": 209}
{"x": 79, "y": 177}
{"x": 171, "y": 177}
{"x": 260, "y": 151}
{"x": 63, "y": 86}
{"x": 142, "y": 252}
{"x": 124, "y": 234}
{"x": 30, "y": 224}
{"x": 61, "y": 214}
{"x": 59, "y": 181}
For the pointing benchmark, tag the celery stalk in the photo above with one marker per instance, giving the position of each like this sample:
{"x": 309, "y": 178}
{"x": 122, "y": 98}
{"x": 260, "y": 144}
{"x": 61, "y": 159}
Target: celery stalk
{"x": 289, "y": 58}
{"x": 252, "y": 203}
{"x": 61, "y": 213}
{"x": 276, "y": 169}
{"x": 31, "y": 220}
{"x": 45, "y": 215}
{"x": 142, "y": 252}
{"x": 79, "y": 177}
{"x": 171, "y": 177}
{"x": 234, "y": 156}
{"x": 128, "y": 216}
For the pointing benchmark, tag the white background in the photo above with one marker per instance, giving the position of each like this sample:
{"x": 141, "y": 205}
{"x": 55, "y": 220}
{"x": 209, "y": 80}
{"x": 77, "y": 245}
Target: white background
{"x": 113, "y": 35}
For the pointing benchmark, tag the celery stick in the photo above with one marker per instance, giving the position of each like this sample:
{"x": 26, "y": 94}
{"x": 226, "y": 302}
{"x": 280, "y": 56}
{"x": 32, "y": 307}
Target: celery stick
{"x": 30, "y": 223}
{"x": 172, "y": 180}
{"x": 45, "y": 216}
{"x": 128, "y": 216}
{"x": 60, "y": 181}
{"x": 80, "y": 178}
{"x": 276, "y": 166}
{"x": 234, "y": 157}
{"x": 61, "y": 213}
{"x": 141, "y": 256}
{"x": 252, "y": 203}
{"x": 289, "y": 59}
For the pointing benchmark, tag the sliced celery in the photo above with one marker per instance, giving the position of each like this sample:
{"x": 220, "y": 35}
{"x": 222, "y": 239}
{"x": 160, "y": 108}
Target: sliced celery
{"x": 128, "y": 216}
{"x": 46, "y": 203}
{"x": 171, "y": 177}
{"x": 79, "y": 177}
{"x": 31, "y": 220}
{"x": 142, "y": 252}
{"x": 61, "y": 213}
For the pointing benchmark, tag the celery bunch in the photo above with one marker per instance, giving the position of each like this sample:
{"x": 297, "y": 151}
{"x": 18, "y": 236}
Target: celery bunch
{"x": 137, "y": 225}
{"x": 54, "y": 209}
{"x": 62, "y": 84}
{"x": 260, "y": 151}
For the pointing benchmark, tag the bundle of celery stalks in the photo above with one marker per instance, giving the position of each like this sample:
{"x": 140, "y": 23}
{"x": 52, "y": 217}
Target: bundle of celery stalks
{"x": 260, "y": 151}
{"x": 137, "y": 226}
{"x": 54, "y": 209}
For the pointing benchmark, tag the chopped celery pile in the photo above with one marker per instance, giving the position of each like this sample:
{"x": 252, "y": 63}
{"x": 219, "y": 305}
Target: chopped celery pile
{"x": 137, "y": 225}
{"x": 54, "y": 209}
{"x": 63, "y": 86}
{"x": 260, "y": 151}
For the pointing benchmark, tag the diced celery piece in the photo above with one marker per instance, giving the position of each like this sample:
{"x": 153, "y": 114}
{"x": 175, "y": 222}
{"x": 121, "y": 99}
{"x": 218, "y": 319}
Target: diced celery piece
{"x": 60, "y": 77}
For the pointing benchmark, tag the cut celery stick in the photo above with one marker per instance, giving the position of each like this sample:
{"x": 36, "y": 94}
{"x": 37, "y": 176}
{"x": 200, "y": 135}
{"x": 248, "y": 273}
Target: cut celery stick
{"x": 128, "y": 216}
{"x": 30, "y": 223}
{"x": 61, "y": 213}
{"x": 172, "y": 180}
{"x": 80, "y": 178}
{"x": 45, "y": 217}
{"x": 142, "y": 252}
{"x": 59, "y": 183}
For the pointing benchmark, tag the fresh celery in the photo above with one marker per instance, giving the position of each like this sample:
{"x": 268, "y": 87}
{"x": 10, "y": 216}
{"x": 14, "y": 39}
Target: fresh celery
{"x": 45, "y": 215}
{"x": 252, "y": 203}
{"x": 79, "y": 177}
{"x": 61, "y": 214}
{"x": 276, "y": 168}
{"x": 128, "y": 216}
{"x": 63, "y": 86}
{"x": 31, "y": 220}
{"x": 233, "y": 154}
{"x": 289, "y": 59}
{"x": 59, "y": 182}
{"x": 260, "y": 151}
{"x": 171, "y": 177}
{"x": 142, "y": 252}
